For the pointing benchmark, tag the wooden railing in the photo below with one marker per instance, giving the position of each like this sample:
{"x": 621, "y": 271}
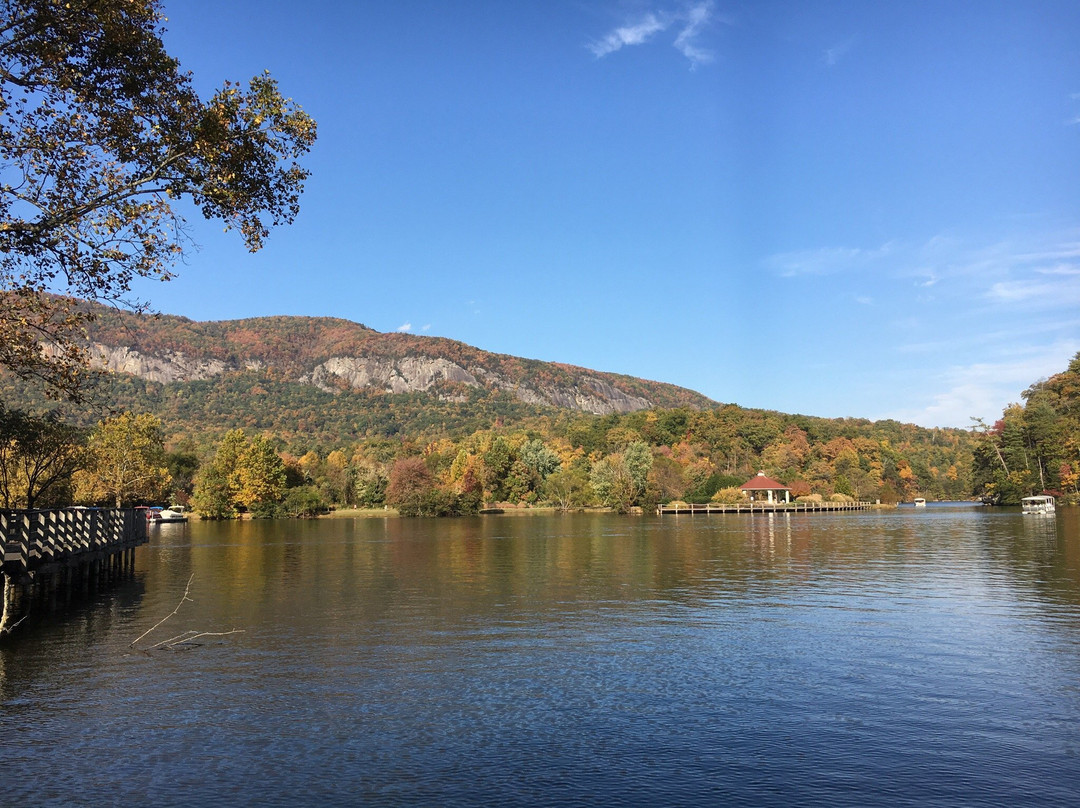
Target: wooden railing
{"x": 761, "y": 507}
{"x": 32, "y": 539}
{"x": 49, "y": 555}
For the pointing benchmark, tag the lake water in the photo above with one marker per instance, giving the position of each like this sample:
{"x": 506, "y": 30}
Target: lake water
{"x": 910, "y": 657}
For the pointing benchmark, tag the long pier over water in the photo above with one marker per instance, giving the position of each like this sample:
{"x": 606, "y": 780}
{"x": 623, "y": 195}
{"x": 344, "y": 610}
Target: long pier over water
{"x": 761, "y": 507}
{"x": 60, "y": 553}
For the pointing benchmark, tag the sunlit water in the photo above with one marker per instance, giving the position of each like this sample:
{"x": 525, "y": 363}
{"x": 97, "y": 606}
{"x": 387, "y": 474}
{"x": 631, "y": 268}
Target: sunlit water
{"x": 909, "y": 657}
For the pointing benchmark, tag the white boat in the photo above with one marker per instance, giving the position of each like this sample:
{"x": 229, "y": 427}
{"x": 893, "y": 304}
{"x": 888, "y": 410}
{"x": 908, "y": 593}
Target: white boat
{"x": 920, "y": 502}
{"x": 174, "y": 513}
{"x": 1042, "y": 505}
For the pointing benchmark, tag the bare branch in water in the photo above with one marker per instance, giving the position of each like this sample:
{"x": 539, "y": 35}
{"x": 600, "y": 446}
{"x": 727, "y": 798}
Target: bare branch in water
{"x": 187, "y": 637}
{"x": 187, "y": 589}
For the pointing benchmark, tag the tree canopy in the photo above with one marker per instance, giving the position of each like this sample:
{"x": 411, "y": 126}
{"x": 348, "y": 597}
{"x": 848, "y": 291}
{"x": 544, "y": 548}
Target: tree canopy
{"x": 126, "y": 461}
{"x": 38, "y": 457}
{"x": 1034, "y": 447}
{"x": 101, "y": 133}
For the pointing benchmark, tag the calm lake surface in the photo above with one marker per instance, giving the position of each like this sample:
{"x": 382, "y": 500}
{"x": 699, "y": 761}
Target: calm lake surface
{"x": 909, "y": 657}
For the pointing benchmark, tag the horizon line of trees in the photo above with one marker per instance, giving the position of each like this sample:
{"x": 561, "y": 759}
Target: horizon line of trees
{"x": 619, "y": 462}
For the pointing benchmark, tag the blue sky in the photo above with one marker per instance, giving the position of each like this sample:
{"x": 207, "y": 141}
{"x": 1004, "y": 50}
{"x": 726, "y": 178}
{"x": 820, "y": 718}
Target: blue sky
{"x": 863, "y": 209}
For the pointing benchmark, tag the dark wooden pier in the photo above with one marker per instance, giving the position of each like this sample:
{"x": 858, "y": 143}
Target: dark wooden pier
{"x": 761, "y": 507}
{"x": 49, "y": 555}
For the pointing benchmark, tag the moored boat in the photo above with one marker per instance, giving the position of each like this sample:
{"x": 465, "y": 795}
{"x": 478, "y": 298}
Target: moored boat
{"x": 920, "y": 502}
{"x": 174, "y": 513}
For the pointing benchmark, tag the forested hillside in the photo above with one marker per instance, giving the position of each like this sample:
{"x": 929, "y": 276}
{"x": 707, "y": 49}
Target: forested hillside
{"x": 339, "y": 356}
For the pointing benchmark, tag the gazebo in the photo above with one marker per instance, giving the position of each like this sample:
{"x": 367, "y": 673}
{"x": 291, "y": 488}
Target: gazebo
{"x": 761, "y": 484}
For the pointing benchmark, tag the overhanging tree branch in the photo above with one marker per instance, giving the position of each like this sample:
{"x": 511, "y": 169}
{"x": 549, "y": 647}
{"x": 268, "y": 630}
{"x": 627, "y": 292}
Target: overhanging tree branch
{"x": 100, "y": 134}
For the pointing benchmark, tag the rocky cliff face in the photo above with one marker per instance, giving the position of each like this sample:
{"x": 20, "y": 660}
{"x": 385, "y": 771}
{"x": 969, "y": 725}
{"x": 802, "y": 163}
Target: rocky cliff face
{"x": 167, "y": 368}
{"x": 424, "y": 373}
{"x": 411, "y": 374}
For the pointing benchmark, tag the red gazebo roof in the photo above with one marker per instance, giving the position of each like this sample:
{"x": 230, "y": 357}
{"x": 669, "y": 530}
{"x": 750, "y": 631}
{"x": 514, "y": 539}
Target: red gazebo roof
{"x": 763, "y": 483}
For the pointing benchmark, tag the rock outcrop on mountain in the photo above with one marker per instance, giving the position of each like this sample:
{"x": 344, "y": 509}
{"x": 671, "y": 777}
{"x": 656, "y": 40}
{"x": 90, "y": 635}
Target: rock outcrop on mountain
{"x": 413, "y": 374}
{"x": 171, "y": 366}
{"x": 340, "y": 356}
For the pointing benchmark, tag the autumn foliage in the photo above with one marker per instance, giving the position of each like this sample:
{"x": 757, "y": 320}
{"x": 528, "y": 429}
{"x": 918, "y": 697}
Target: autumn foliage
{"x": 101, "y": 133}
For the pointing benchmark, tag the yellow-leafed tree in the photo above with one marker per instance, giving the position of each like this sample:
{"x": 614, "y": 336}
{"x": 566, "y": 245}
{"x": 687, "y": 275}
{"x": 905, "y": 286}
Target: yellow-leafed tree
{"x": 125, "y": 462}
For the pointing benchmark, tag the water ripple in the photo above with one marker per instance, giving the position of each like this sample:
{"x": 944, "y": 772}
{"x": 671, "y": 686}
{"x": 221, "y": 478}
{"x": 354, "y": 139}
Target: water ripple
{"x": 881, "y": 659}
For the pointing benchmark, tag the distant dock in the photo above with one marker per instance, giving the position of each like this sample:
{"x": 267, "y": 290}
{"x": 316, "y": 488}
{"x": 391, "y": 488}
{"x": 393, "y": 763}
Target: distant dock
{"x": 684, "y": 509}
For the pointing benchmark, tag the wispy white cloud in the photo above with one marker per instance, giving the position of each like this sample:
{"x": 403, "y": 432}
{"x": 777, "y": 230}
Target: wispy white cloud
{"x": 404, "y": 328}
{"x": 635, "y": 34}
{"x": 1003, "y": 271}
{"x": 1017, "y": 291}
{"x": 426, "y": 327}
{"x": 1057, "y": 252}
{"x": 1039, "y": 292}
{"x": 1012, "y": 337}
{"x": 1061, "y": 269}
{"x": 689, "y": 23}
{"x": 686, "y": 42}
{"x": 826, "y": 260}
{"x": 1046, "y": 278}
{"x": 834, "y": 54}
{"x": 984, "y": 389}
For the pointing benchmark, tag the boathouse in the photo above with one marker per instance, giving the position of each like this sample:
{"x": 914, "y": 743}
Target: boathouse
{"x": 760, "y": 487}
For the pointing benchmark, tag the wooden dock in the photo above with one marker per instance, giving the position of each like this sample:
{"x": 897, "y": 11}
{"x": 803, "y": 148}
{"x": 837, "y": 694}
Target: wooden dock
{"x": 58, "y": 553}
{"x": 684, "y": 509}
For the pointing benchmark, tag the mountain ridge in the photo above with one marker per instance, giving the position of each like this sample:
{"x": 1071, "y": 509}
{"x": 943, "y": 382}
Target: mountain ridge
{"x": 342, "y": 356}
